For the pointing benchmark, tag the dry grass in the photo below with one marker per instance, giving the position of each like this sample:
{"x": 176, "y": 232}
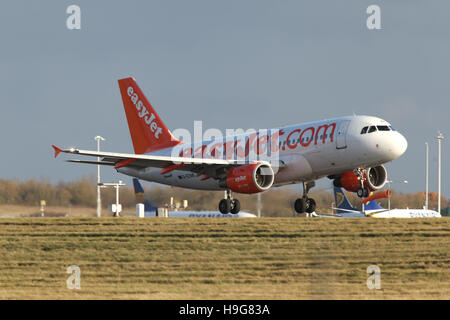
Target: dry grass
{"x": 269, "y": 258}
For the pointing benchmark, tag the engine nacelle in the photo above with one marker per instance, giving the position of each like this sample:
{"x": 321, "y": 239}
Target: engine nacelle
{"x": 374, "y": 180}
{"x": 250, "y": 178}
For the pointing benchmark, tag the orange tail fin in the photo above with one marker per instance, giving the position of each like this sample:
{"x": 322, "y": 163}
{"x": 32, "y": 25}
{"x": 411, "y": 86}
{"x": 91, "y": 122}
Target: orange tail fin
{"x": 148, "y": 132}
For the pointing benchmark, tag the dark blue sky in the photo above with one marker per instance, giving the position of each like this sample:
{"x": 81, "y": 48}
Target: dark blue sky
{"x": 232, "y": 64}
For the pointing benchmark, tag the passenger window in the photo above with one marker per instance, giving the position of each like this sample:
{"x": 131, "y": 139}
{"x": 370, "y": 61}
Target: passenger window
{"x": 364, "y": 130}
{"x": 383, "y": 128}
{"x": 372, "y": 129}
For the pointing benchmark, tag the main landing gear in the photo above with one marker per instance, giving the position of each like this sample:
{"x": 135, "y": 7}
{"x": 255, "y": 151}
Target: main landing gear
{"x": 362, "y": 192}
{"x": 305, "y": 204}
{"x": 229, "y": 205}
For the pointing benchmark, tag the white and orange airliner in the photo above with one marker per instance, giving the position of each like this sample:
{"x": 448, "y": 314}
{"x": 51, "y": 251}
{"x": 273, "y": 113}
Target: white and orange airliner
{"x": 349, "y": 150}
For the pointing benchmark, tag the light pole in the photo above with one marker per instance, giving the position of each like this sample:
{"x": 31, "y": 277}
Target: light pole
{"x": 99, "y": 200}
{"x": 439, "y": 137}
{"x": 389, "y": 198}
{"x": 426, "y": 176}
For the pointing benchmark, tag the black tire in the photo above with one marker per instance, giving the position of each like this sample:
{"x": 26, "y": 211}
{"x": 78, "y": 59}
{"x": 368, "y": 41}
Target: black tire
{"x": 225, "y": 206}
{"x": 366, "y": 192}
{"x": 310, "y": 205}
{"x": 235, "y": 206}
{"x": 360, "y": 193}
{"x": 300, "y": 205}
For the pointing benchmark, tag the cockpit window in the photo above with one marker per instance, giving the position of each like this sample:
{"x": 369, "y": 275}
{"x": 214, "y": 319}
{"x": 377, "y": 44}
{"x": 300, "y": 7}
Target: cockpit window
{"x": 372, "y": 129}
{"x": 383, "y": 128}
{"x": 364, "y": 130}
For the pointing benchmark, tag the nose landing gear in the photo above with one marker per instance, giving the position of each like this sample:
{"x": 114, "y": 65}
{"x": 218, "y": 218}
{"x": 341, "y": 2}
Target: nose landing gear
{"x": 362, "y": 192}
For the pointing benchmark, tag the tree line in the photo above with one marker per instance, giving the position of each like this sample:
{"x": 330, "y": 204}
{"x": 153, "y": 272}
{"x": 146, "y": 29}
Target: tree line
{"x": 276, "y": 202}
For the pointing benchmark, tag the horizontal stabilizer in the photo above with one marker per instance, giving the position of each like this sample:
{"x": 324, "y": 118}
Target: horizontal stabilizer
{"x": 57, "y": 150}
{"x": 106, "y": 163}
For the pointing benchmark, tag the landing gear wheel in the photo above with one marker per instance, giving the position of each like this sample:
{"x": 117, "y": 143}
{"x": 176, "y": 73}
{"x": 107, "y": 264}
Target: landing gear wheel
{"x": 360, "y": 192}
{"x": 225, "y": 206}
{"x": 366, "y": 192}
{"x": 300, "y": 205}
{"x": 235, "y": 206}
{"x": 310, "y": 205}
{"x": 305, "y": 204}
{"x": 363, "y": 192}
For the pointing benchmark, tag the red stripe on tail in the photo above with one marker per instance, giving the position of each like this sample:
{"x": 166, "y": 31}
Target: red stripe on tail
{"x": 148, "y": 132}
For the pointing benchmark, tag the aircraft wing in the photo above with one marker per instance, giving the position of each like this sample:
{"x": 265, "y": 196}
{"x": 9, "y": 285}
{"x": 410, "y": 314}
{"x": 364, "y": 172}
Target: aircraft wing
{"x": 206, "y": 166}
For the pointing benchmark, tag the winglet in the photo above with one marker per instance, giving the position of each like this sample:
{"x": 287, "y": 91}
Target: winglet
{"x": 57, "y": 150}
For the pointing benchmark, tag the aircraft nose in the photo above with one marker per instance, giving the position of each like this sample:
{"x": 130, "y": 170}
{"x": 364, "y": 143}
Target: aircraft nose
{"x": 399, "y": 145}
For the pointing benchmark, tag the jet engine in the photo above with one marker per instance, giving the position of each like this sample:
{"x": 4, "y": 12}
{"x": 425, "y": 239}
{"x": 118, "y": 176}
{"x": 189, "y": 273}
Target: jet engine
{"x": 374, "y": 179}
{"x": 250, "y": 178}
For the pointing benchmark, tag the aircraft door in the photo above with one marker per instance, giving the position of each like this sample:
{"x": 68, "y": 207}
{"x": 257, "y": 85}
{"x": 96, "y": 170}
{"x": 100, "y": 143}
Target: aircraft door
{"x": 341, "y": 141}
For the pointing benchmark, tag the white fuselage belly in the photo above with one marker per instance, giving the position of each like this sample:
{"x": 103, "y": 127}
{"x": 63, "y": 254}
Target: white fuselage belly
{"x": 307, "y": 152}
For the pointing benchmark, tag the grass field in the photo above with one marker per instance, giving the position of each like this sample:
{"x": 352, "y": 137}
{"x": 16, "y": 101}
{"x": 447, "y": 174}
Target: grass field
{"x": 268, "y": 258}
